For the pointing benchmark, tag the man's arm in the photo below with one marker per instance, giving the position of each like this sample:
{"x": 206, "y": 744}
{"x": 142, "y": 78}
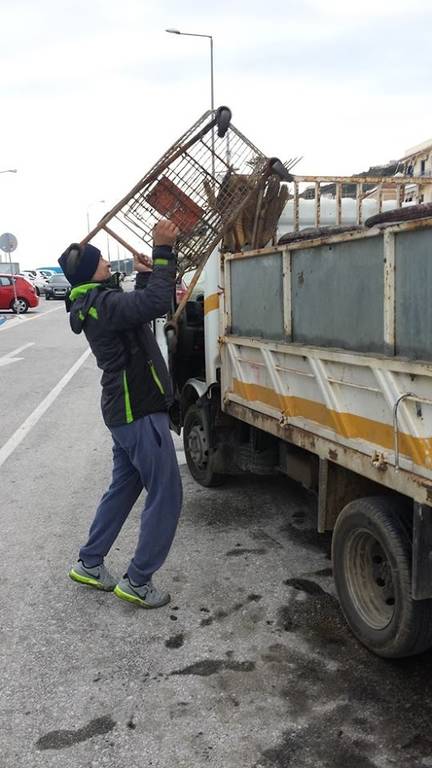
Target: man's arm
{"x": 143, "y": 266}
{"x": 120, "y": 311}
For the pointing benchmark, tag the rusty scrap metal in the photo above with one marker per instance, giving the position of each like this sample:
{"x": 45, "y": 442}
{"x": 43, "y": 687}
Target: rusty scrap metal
{"x": 178, "y": 186}
{"x": 402, "y": 480}
{"x": 390, "y": 182}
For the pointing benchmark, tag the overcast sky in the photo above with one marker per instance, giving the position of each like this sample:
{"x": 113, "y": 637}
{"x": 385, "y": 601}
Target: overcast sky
{"x": 92, "y": 92}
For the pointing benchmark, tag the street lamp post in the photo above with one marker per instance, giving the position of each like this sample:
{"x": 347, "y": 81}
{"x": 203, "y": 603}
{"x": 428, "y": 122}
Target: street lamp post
{"x": 208, "y": 37}
{"x": 88, "y": 212}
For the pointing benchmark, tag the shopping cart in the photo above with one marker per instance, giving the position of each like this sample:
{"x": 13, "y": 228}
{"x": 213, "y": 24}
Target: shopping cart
{"x": 201, "y": 184}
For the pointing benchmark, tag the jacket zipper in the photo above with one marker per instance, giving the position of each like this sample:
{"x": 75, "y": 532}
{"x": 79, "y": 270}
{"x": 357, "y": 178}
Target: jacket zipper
{"x": 156, "y": 378}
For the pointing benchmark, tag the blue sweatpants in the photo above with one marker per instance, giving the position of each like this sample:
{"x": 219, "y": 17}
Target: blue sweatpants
{"x": 143, "y": 456}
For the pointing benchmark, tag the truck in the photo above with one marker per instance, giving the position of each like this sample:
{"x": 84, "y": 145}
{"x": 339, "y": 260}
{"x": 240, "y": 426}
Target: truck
{"x": 312, "y": 357}
{"x": 305, "y": 350}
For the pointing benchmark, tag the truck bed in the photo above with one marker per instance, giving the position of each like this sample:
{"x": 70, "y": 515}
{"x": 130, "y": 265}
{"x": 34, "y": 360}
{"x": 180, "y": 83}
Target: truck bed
{"x": 328, "y": 344}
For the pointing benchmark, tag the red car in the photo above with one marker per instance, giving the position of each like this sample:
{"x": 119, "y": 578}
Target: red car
{"x": 25, "y": 291}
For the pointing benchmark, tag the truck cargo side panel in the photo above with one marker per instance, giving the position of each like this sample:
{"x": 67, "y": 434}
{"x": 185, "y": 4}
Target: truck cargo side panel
{"x": 347, "y": 301}
{"x": 257, "y": 297}
{"x": 337, "y": 295}
{"x": 413, "y": 294}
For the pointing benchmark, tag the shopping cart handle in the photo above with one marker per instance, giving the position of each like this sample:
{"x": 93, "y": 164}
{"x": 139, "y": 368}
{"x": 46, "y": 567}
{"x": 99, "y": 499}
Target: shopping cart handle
{"x": 223, "y": 119}
{"x": 277, "y": 167}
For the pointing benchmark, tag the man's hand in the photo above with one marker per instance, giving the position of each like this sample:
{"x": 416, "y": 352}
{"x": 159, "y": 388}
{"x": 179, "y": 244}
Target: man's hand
{"x": 165, "y": 233}
{"x": 142, "y": 263}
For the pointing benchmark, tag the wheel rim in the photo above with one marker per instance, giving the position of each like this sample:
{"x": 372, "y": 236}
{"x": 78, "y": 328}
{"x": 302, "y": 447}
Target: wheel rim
{"x": 370, "y": 579}
{"x": 20, "y": 305}
{"x": 198, "y": 446}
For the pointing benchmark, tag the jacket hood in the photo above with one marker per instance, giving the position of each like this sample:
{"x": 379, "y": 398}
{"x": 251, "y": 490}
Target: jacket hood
{"x": 81, "y": 299}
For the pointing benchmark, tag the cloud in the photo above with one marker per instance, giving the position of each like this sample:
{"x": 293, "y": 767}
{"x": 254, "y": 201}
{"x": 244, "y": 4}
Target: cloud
{"x": 93, "y": 92}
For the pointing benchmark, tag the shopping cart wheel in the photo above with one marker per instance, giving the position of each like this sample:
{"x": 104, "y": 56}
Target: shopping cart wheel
{"x": 223, "y": 119}
{"x": 277, "y": 167}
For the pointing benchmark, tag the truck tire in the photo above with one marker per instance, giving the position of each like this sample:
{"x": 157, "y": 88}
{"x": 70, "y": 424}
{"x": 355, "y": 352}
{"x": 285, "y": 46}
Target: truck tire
{"x": 196, "y": 444}
{"x": 371, "y": 553}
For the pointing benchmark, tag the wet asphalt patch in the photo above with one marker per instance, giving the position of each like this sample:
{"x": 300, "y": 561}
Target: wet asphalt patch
{"x": 308, "y": 538}
{"x": 208, "y": 667}
{"x": 175, "y": 641}
{"x": 343, "y": 707}
{"x": 347, "y": 708}
{"x": 220, "y": 614}
{"x": 323, "y": 572}
{"x": 63, "y": 739}
{"x": 305, "y": 585}
{"x": 244, "y": 551}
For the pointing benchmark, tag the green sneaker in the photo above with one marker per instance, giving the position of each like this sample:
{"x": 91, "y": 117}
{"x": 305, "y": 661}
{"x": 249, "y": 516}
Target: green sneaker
{"x": 98, "y": 576}
{"x": 146, "y": 596}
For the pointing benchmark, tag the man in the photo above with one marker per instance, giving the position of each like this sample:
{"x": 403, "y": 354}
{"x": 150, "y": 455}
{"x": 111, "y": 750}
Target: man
{"x": 136, "y": 395}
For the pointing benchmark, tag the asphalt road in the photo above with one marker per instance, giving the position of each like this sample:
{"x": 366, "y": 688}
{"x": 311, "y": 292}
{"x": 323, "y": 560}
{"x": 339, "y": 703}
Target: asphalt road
{"x": 251, "y": 665}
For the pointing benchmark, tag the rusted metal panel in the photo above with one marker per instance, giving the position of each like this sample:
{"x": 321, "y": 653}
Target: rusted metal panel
{"x": 410, "y": 367}
{"x": 353, "y": 400}
{"x": 359, "y": 199}
{"x": 227, "y": 297}
{"x": 337, "y": 487}
{"x": 296, "y": 207}
{"x": 337, "y": 295}
{"x": 399, "y": 195}
{"x": 402, "y": 481}
{"x": 317, "y": 204}
{"x": 287, "y": 303}
{"x": 389, "y": 293}
{"x": 380, "y": 198}
{"x": 394, "y": 184}
{"x": 391, "y": 180}
{"x": 413, "y": 251}
{"x": 343, "y": 237}
{"x": 338, "y": 204}
{"x": 257, "y": 305}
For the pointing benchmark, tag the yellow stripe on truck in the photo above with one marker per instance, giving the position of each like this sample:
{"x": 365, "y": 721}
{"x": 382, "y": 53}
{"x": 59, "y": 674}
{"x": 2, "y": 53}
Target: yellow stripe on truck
{"x": 347, "y": 425}
{"x": 211, "y": 303}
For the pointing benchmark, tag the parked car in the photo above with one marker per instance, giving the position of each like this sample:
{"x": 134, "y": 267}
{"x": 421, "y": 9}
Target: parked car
{"x": 25, "y": 291}
{"x": 38, "y": 279}
{"x": 130, "y": 278}
{"x": 50, "y": 271}
{"x": 57, "y": 287}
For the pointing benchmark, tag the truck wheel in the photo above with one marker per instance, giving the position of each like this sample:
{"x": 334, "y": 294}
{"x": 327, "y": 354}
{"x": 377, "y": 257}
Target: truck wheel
{"x": 196, "y": 446}
{"x": 371, "y": 552}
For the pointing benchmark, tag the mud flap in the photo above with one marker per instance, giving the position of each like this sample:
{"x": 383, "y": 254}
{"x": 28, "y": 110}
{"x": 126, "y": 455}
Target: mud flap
{"x": 422, "y": 552}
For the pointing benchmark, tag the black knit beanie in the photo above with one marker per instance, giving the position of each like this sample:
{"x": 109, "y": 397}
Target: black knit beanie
{"x": 79, "y": 263}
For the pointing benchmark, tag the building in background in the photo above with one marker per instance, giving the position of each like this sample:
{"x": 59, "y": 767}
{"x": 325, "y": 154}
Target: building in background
{"x": 417, "y": 161}
{"x": 9, "y": 268}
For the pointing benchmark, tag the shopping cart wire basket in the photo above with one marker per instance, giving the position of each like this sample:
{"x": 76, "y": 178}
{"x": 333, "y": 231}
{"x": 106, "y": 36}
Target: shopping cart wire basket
{"x": 201, "y": 184}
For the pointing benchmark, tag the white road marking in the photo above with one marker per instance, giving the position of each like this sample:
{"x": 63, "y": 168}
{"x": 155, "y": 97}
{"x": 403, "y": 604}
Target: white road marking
{"x": 39, "y": 411}
{"x": 15, "y": 322}
{"x": 11, "y": 357}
